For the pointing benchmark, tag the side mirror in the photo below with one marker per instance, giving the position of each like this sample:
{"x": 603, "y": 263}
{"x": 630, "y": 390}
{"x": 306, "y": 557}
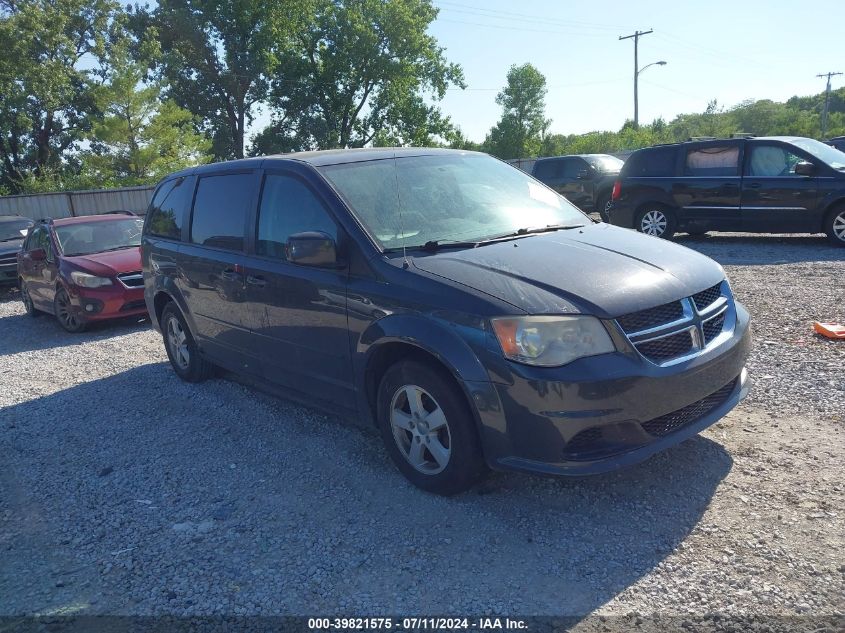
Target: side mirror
{"x": 805, "y": 169}
{"x": 584, "y": 174}
{"x": 38, "y": 255}
{"x": 313, "y": 248}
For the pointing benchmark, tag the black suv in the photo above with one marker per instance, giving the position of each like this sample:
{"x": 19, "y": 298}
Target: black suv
{"x": 586, "y": 180}
{"x": 757, "y": 185}
{"x": 477, "y": 317}
{"x": 13, "y": 230}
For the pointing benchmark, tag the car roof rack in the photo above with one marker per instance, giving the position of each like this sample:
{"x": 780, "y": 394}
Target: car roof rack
{"x": 120, "y": 212}
{"x": 701, "y": 138}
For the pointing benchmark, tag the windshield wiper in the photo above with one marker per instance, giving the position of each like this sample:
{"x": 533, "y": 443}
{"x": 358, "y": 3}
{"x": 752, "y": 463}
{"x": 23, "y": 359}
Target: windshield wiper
{"x": 118, "y": 248}
{"x": 532, "y": 231}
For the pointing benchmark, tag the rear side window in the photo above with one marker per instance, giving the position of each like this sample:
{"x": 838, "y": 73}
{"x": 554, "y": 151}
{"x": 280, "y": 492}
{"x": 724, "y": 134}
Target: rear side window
{"x": 656, "y": 162}
{"x": 712, "y": 161}
{"x": 167, "y": 208}
{"x": 288, "y": 206}
{"x": 220, "y": 210}
{"x": 572, "y": 167}
{"x": 547, "y": 169}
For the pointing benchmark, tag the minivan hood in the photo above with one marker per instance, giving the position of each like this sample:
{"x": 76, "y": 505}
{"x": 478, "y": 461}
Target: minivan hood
{"x": 598, "y": 269}
{"x": 108, "y": 264}
{"x": 12, "y": 246}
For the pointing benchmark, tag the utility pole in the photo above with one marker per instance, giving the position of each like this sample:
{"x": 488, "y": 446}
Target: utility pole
{"x": 636, "y": 35}
{"x": 826, "y": 102}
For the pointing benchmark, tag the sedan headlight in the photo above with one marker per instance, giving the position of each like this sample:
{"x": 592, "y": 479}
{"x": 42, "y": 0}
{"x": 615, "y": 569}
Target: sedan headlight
{"x": 89, "y": 281}
{"x": 550, "y": 341}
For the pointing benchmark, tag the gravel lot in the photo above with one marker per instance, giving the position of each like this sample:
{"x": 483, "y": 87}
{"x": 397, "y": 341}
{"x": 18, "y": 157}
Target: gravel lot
{"x": 126, "y": 491}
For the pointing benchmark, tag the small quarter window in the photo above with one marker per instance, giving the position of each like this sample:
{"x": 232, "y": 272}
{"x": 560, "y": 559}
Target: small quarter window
{"x": 167, "y": 208}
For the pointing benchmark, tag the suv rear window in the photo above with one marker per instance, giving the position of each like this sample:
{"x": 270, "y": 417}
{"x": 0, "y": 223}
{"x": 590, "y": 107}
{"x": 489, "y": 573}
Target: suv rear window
{"x": 656, "y": 161}
{"x": 713, "y": 160}
{"x": 220, "y": 210}
{"x": 547, "y": 169}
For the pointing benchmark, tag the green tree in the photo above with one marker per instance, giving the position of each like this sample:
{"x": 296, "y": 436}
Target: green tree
{"x": 46, "y": 100}
{"x": 139, "y": 138}
{"x": 217, "y": 56}
{"x": 360, "y": 74}
{"x": 519, "y": 133}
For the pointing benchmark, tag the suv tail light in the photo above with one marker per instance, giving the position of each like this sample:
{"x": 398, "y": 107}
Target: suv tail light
{"x": 617, "y": 190}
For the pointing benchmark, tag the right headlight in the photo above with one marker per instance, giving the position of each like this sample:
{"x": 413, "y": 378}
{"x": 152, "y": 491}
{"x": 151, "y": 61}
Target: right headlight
{"x": 550, "y": 341}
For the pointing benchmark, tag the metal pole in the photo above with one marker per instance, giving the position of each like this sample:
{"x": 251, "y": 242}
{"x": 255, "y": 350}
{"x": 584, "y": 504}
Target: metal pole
{"x": 636, "y": 35}
{"x": 826, "y": 109}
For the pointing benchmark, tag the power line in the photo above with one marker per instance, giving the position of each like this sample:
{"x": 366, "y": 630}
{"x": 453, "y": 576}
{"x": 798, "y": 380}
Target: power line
{"x": 826, "y": 101}
{"x": 519, "y": 28}
{"x": 543, "y": 19}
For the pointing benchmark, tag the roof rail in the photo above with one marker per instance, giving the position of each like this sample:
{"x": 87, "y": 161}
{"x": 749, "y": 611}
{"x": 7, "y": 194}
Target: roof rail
{"x": 702, "y": 138}
{"x": 742, "y": 135}
{"x": 120, "y": 212}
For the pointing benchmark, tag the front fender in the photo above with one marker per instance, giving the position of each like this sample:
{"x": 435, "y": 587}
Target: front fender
{"x": 445, "y": 340}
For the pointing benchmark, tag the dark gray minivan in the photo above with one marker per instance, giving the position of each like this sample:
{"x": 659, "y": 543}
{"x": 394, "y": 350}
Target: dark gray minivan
{"x": 470, "y": 312}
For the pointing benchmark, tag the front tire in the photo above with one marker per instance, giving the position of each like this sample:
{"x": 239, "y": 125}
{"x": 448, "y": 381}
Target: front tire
{"x": 656, "y": 220}
{"x": 835, "y": 226}
{"x": 65, "y": 315}
{"x": 182, "y": 349}
{"x": 428, "y": 429}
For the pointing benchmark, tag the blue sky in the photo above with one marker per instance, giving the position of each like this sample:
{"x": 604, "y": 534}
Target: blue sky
{"x": 719, "y": 49}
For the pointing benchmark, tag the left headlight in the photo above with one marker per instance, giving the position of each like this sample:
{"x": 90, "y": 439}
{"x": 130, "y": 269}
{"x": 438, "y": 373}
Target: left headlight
{"x": 550, "y": 341}
{"x": 89, "y": 281}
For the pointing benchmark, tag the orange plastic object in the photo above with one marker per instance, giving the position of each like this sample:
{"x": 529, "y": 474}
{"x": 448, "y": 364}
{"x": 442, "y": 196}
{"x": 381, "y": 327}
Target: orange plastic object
{"x": 830, "y": 330}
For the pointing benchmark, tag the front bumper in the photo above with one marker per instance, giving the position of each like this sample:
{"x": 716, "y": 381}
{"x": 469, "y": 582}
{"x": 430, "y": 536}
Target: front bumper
{"x": 110, "y": 302}
{"x": 602, "y": 413}
{"x": 9, "y": 273}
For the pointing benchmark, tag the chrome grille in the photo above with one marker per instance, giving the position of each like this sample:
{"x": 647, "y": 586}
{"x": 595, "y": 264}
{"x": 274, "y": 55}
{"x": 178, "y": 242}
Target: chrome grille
{"x": 666, "y": 424}
{"x": 132, "y": 280}
{"x": 667, "y": 347}
{"x": 8, "y": 259}
{"x": 677, "y": 330}
{"x": 651, "y": 317}
{"x": 707, "y": 297}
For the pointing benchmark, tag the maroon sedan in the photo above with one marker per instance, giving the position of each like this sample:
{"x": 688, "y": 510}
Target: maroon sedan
{"x": 83, "y": 269}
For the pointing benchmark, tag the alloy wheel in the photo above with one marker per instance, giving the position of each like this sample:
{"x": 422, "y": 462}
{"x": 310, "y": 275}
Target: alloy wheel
{"x": 64, "y": 313}
{"x": 839, "y": 226}
{"x": 420, "y": 429}
{"x": 654, "y": 222}
{"x": 178, "y": 342}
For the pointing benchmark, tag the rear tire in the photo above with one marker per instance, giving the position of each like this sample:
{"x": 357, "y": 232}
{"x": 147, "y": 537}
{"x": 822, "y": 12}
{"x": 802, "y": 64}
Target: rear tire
{"x": 834, "y": 225}
{"x": 182, "y": 349}
{"x": 428, "y": 429}
{"x": 656, "y": 220}
{"x": 63, "y": 309}
{"x": 603, "y": 207}
{"x": 30, "y": 308}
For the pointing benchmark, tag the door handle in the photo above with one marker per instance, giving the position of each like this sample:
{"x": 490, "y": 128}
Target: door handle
{"x": 230, "y": 274}
{"x": 256, "y": 280}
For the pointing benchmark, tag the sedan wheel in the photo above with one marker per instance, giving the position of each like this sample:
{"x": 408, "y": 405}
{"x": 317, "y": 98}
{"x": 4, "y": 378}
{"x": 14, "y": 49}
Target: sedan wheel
{"x": 420, "y": 429}
{"x": 178, "y": 343}
{"x": 836, "y": 230}
{"x": 65, "y": 314}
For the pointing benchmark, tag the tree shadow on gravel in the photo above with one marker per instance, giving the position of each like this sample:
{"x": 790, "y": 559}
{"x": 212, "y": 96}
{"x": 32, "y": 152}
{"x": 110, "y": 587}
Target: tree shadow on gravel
{"x": 23, "y": 333}
{"x": 189, "y": 499}
{"x": 762, "y": 250}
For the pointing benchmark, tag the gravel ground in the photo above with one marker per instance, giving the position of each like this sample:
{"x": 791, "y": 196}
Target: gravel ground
{"x": 126, "y": 491}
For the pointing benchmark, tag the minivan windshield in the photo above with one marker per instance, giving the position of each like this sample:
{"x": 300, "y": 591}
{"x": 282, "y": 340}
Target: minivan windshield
{"x": 97, "y": 237}
{"x": 823, "y": 152}
{"x": 410, "y": 201}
